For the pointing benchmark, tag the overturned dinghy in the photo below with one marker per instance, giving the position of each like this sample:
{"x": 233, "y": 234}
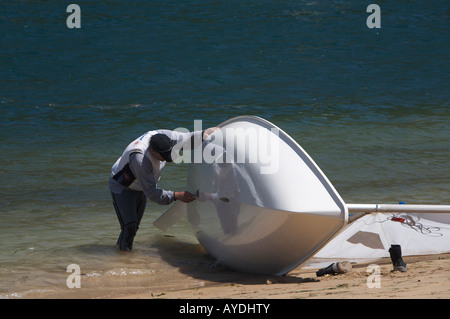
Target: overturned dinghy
{"x": 264, "y": 205}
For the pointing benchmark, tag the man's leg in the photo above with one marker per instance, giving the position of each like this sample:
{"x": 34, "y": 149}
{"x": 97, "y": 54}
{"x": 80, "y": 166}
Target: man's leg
{"x": 129, "y": 206}
{"x": 141, "y": 201}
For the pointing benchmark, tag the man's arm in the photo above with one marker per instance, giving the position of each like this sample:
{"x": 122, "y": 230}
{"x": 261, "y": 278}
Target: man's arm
{"x": 143, "y": 171}
{"x": 191, "y": 139}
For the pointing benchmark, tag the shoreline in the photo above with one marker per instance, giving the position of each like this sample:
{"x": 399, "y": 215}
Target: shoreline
{"x": 427, "y": 277}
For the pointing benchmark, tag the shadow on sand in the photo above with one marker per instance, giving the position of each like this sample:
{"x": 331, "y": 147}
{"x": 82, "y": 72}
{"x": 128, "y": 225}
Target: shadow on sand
{"x": 193, "y": 260}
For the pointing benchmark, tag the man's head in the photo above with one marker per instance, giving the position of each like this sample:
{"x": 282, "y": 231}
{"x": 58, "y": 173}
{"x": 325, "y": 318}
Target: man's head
{"x": 162, "y": 144}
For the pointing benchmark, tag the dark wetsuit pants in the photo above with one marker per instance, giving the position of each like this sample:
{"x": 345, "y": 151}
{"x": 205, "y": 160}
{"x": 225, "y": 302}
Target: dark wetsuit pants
{"x": 129, "y": 206}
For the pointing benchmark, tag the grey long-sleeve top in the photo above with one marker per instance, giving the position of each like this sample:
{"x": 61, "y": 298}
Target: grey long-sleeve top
{"x": 147, "y": 170}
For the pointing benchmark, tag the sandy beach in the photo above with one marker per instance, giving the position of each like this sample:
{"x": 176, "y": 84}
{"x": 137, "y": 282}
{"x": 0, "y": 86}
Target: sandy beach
{"x": 201, "y": 291}
{"x": 186, "y": 271}
{"x": 427, "y": 277}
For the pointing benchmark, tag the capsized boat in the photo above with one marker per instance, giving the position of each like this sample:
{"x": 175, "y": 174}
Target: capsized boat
{"x": 264, "y": 206}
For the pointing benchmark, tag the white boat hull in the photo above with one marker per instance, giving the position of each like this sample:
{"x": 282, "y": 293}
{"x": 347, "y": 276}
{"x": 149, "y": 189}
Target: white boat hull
{"x": 265, "y": 241}
{"x": 257, "y": 221}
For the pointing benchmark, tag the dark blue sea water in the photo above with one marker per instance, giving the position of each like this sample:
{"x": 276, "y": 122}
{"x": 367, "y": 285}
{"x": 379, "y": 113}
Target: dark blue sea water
{"x": 371, "y": 107}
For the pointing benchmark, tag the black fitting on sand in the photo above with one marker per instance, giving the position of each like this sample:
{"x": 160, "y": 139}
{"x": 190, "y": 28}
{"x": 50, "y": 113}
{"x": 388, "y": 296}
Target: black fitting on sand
{"x": 335, "y": 268}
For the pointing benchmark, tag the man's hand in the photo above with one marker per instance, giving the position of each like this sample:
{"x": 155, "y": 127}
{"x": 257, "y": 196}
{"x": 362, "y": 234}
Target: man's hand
{"x": 208, "y": 132}
{"x": 185, "y": 197}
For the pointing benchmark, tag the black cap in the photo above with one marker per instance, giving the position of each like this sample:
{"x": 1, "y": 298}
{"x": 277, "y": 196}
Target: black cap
{"x": 162, "y": 144}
